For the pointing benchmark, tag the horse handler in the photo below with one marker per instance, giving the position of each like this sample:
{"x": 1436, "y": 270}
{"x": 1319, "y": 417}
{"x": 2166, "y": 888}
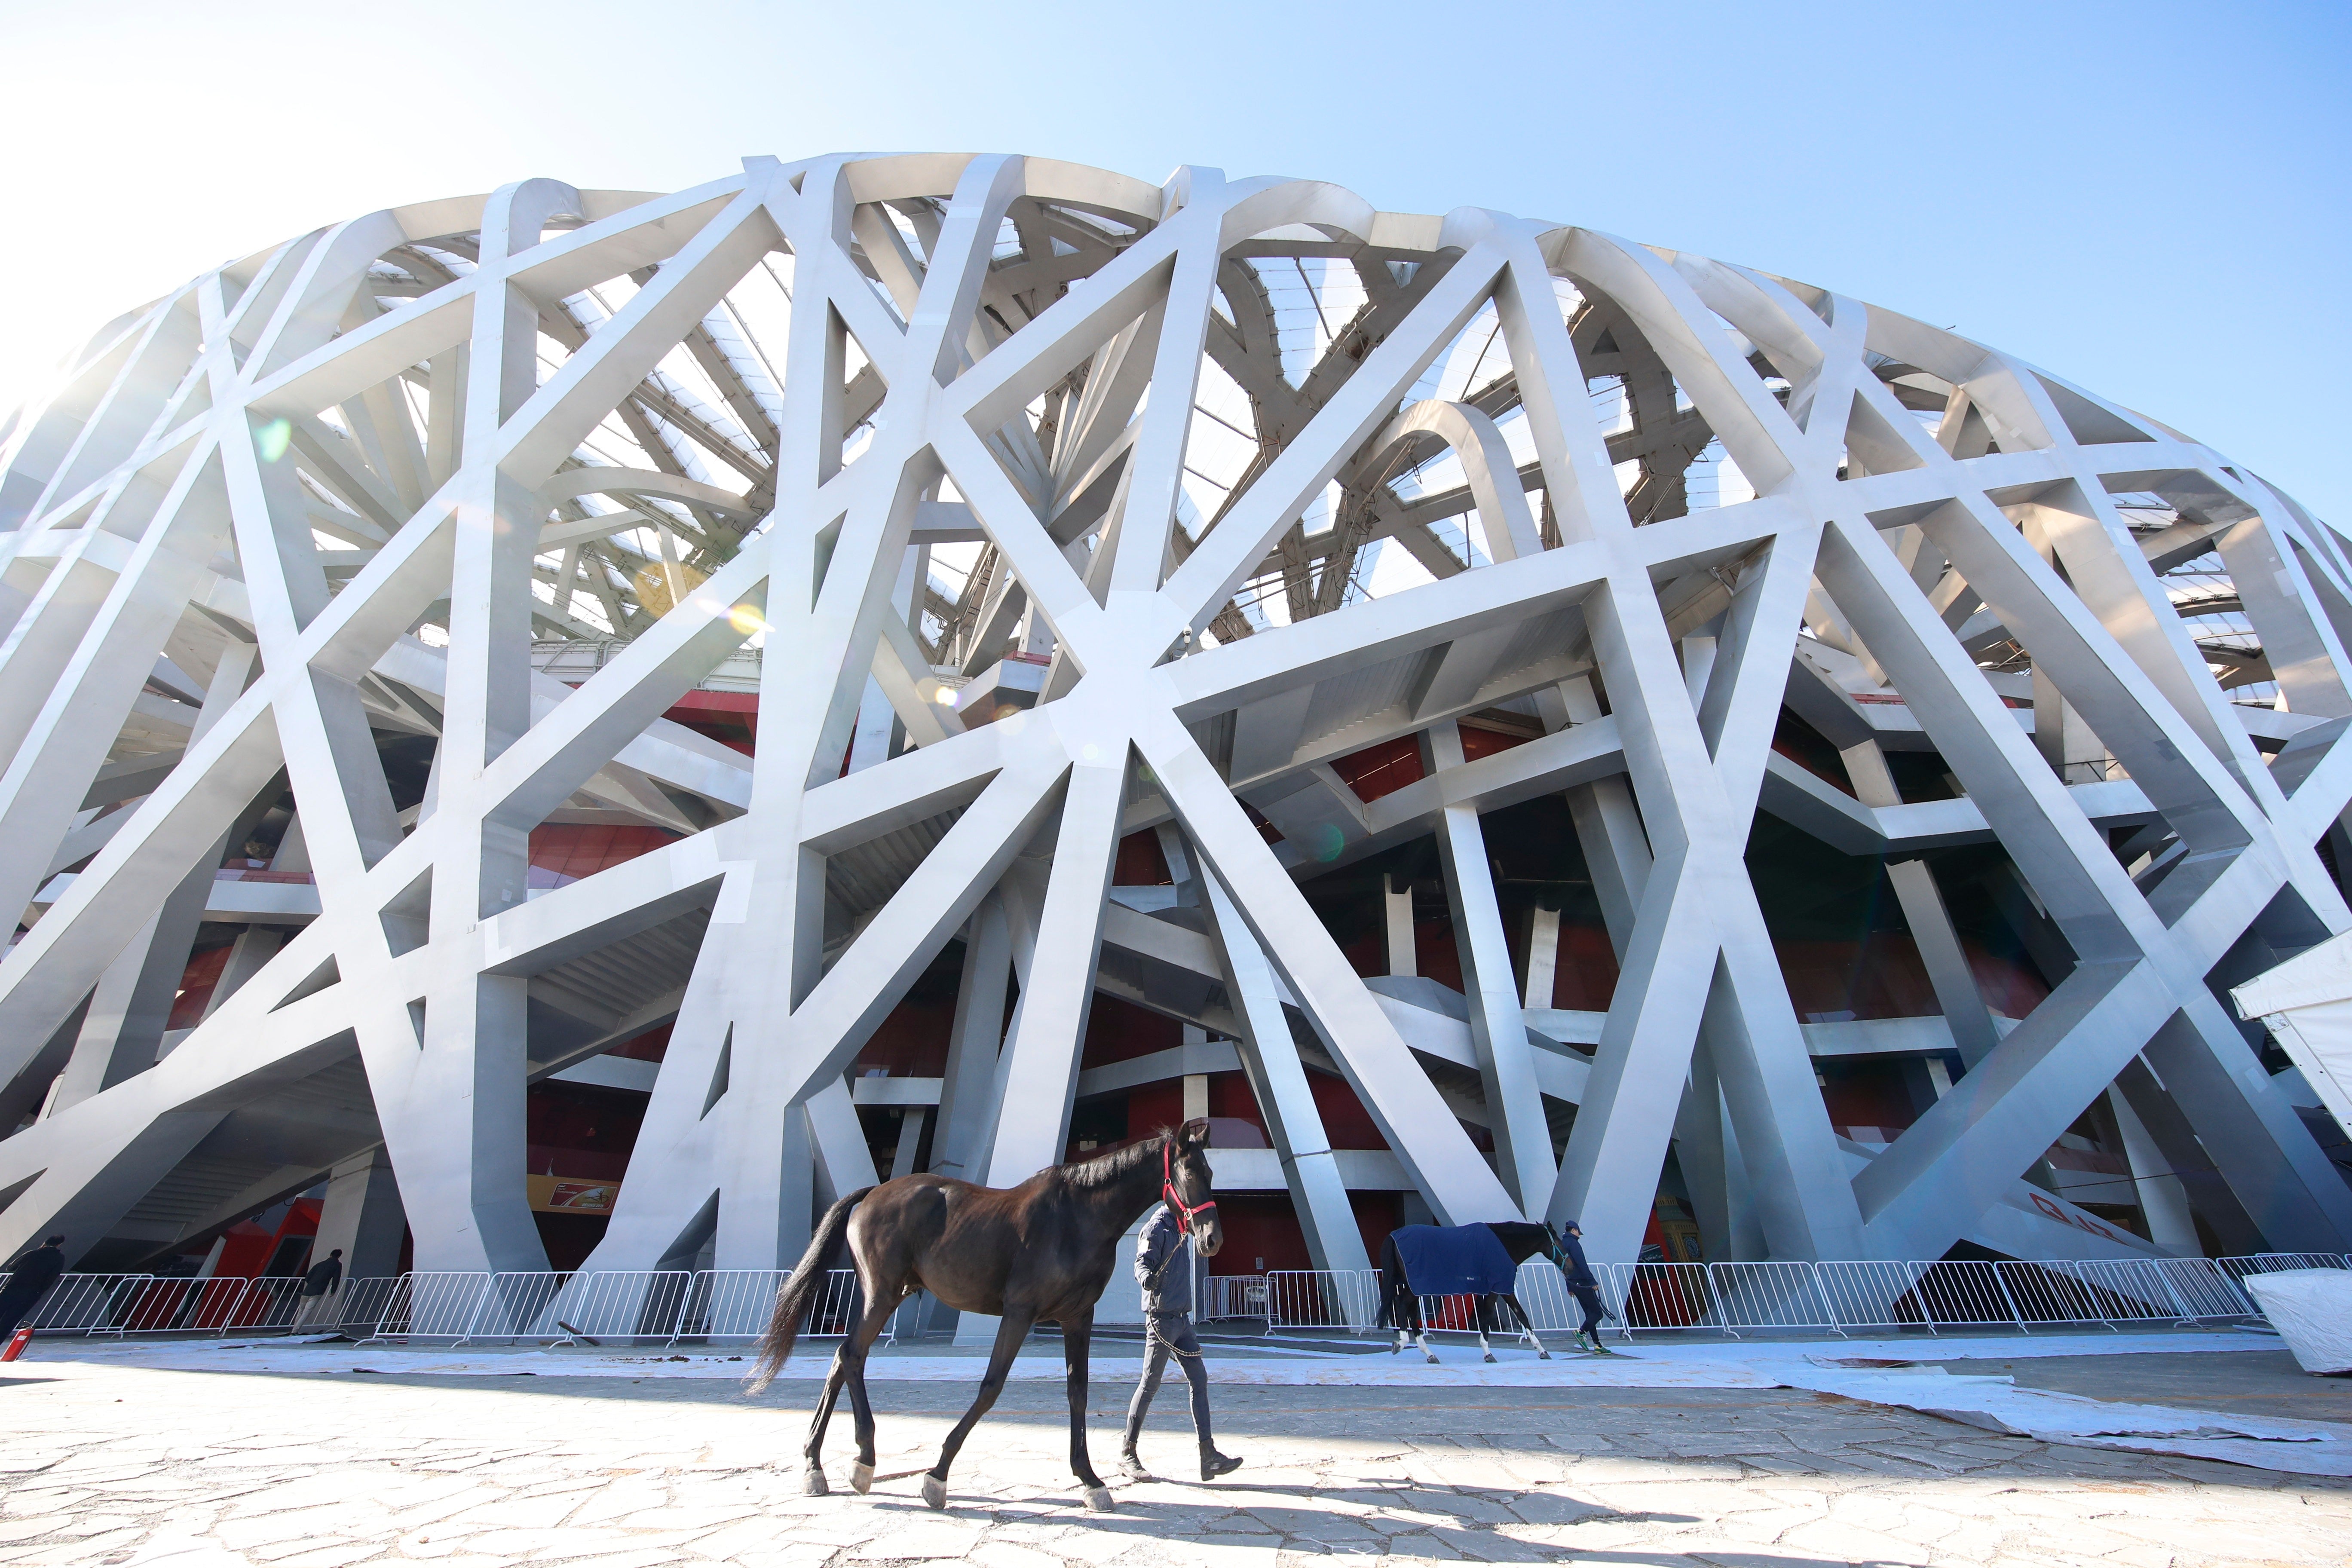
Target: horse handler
{"x": 1586, "y": 1288}
{"x": 1163, "y": 1265}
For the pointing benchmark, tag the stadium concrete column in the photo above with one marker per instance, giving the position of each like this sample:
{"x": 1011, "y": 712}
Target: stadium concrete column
{"x": 1608, "y": 827}
{"x": 1609, "y": 831}
{"x": 1924, "y": 911}
{"x": 463, "y": 1182}
{"x": 363, "y": 1216}
{"x": 1196, "y": 1084}
{"x": 1498, "y": 1030}
{"x": 1543, "y": 956}
{"x": 1396, "y": 916}
{"x": 2163, "y": 1200}
{"x": 878, "y": 728}
{"x": 1318, "y": 1193}
{"x": 1697, "y": 790}
{"x": 911, "y": 1122}
{"x": 1041, "y": 1054}
{"x": 845, "y": 1164}
{"x": 123, "y": 1029}
{"x": 966, "y": 1097}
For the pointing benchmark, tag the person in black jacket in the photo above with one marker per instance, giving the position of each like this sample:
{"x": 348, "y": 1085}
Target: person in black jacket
{"x": 29, "y": 1279}
{"x": 1587, "y": 1289}
{"x": 1164, "y": 1266}
{"x": 318, "y": 1285}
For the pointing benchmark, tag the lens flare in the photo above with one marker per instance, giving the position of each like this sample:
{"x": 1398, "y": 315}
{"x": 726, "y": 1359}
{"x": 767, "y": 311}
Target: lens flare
{"x": 272, "y": 440}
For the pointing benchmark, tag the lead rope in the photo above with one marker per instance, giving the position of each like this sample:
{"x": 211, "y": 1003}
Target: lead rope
{"x": 1153, "y": 1330}
{"x": 1151, "y": 1324}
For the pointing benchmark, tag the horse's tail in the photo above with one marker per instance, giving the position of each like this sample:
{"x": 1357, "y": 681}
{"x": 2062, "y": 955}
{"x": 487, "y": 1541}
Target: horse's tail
{"x": 784, "y": 1322}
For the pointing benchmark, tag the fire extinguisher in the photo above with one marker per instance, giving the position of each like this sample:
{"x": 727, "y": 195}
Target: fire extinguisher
{"x": 23, "y": 1337}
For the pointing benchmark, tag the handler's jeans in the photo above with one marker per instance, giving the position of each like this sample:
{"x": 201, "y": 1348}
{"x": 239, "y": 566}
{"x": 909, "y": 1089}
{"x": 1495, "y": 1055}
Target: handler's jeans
{"x": 1163, "y": 1330}
{"x": 1591, "y": 1301}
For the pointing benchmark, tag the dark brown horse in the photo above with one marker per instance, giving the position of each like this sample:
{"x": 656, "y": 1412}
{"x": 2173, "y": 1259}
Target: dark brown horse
{"x": 1040, "y": 1251}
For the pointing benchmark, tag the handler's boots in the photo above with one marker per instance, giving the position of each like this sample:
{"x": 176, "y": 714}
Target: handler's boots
{"x": 1131, "y": 1464}
{"x": 1213, "y": 1464}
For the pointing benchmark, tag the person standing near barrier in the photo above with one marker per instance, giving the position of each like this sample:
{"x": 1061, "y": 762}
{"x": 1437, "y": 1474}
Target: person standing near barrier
{"x": 324, "y": 1282}
{"x": 29, "y": 1279}
{"x": 1164, "y": 1266}
{"x": 1585, "y": 1287}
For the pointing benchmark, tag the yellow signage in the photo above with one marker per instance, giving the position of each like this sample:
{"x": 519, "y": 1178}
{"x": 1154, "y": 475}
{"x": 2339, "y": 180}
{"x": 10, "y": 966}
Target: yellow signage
{"x": 570, "y": 1194}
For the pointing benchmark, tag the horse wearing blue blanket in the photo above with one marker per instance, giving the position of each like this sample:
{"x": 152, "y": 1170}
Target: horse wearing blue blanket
{"x": 1479, "y": 1260}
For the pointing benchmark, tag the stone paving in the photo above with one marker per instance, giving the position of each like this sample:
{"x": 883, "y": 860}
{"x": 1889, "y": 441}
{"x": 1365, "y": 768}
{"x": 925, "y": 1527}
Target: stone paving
{"x": 125, "y": 1466}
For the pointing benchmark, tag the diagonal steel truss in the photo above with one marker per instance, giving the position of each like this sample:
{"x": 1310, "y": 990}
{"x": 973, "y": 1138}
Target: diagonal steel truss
{"x": 334, "y": 494}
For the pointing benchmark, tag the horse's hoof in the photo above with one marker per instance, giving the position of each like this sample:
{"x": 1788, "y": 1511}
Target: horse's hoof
{"x": 813, "y": 1483}
{"x": 935, "y": 1492}
{"x": 1433, "y": 1360}
{"x": 1543, "y": 1355}
{"x": 1488, "y": 1358}
{"x": 1393, "y": 1349}
{"x": 861, "y": 1478}
{"x": 1099, "y": 1499}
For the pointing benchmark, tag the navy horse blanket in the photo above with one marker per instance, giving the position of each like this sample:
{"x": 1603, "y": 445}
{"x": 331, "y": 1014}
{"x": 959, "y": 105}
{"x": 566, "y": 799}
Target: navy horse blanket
{"x": 1455, "y": 1260}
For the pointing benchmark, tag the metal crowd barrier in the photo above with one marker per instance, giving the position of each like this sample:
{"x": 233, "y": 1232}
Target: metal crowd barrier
{"x": 1840, "y": 1298}
{"x": 85, "y": 1303}
{"x": 2278, "y": 1262}
{"x": 725, "y": 1304}
{"x": 179, "y": 1306}
{"x": 732, "y": 1305}
{"x": 268, "y": 1306}
{"x": 1231, "y": 1296}
{"x": 1770, "y": 1295}
{"x": 432, "y": 1306}
{"x": 1870, "y": 1293}
{"x": 634, "y": 1305}
{"x": 1321, "y": 1298}
{"x": 1657, "y": 1296}
{"x": 359, "y": 1309}
{"x": 125, "y": 1304}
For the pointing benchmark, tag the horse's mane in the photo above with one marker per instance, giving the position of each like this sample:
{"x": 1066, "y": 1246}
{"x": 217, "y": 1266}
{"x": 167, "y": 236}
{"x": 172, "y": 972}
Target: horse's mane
{"x": 1104, "y": 1170}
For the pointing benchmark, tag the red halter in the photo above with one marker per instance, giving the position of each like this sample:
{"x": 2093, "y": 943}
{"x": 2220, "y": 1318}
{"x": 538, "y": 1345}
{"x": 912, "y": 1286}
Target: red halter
{"x": 1185, "y": 1212}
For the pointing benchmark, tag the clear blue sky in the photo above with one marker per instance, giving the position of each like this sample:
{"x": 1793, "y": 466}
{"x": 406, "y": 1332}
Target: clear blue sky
{"x": 2148, "y": 199}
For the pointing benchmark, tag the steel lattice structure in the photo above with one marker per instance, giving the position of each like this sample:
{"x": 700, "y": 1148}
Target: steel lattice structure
{"x": 340, "y": 499}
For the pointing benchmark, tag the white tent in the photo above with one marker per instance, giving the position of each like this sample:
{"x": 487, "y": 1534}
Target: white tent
{"x": 2306, "y": 1004}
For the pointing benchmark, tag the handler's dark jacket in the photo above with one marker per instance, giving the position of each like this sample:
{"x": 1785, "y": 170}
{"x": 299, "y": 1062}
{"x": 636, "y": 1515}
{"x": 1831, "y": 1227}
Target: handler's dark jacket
{"x": 324, "y": 1278}
{"x": 1579, "y": 1272}
{"x": 1163, "y": 1264}
{"x": 30, "y": 1275}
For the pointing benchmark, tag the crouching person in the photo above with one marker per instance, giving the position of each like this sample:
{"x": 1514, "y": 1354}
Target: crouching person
{"x": 1164, "y": 1266}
